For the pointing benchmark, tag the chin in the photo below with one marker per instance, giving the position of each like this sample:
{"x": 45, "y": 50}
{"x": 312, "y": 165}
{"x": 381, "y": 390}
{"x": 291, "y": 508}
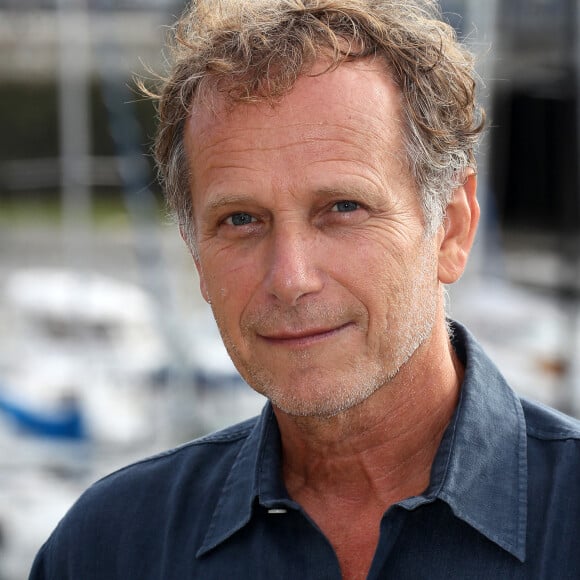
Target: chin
{"x": 322, "y": 405}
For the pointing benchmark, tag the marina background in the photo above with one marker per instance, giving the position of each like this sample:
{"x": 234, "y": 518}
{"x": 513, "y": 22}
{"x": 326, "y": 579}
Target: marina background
{"x": 107, "y": 351}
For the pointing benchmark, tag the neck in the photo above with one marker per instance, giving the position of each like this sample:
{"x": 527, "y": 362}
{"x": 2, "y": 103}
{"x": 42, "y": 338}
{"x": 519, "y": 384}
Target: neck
{"x": 382, "y": 450}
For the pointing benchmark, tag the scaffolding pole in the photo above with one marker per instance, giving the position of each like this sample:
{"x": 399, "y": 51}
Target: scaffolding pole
{"x": 74, "y": 127}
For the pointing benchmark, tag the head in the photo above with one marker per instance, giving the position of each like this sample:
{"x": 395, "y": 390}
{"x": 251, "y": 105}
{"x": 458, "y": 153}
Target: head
{"x": 311, "y": 149}
{"x": 255, "y": 50}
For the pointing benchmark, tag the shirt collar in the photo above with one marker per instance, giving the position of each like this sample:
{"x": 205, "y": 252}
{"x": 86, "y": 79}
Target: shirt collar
{"x": 480, "y": 469}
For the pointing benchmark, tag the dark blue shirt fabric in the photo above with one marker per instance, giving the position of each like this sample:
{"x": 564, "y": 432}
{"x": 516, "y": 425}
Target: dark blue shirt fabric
{"x": 503, "y": 502}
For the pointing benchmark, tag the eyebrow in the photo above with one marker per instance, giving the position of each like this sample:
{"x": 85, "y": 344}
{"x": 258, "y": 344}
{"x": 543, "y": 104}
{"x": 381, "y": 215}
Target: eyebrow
{"x": 349, "y": 191}
{"x": 343, "y": 192}
{"x": 226, "y": 200}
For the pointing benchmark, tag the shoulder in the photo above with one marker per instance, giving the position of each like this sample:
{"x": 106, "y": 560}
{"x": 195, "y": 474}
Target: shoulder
{"x": 547, "y": 424}
{"x": 196, "y": 465}
{"x": 553, "y": 467}
{"x": 553, "y": 440}
{"x": 198, "y": 449}
{"x": 170, "y": 494}
{"x": 553, "y": 452}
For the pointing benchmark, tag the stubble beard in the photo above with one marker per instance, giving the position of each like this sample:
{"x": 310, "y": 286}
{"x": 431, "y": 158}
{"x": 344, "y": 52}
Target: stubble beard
{"x": 409, "y": 327}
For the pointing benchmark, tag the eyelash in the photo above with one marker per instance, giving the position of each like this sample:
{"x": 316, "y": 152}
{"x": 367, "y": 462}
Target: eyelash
{"x": 230, "y": 219}
{"x": 248, "y": 219}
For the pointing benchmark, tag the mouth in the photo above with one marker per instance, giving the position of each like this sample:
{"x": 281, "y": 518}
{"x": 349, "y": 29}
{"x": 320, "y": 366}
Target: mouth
{"x": 304, "y": 337}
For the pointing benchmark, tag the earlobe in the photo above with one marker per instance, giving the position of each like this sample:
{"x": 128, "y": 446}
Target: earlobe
{"x": 459, "y": 229}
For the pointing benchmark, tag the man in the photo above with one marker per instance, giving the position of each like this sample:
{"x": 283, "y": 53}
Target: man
{"x": 319, "y": 155}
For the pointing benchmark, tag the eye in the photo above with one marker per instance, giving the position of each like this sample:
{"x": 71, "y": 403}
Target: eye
{"x": 240, "y": 219}
{"x": 345, "y": 206}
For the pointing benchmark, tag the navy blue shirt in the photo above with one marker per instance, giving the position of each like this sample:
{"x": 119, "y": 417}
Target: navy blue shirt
{"x": 503, "y": 502}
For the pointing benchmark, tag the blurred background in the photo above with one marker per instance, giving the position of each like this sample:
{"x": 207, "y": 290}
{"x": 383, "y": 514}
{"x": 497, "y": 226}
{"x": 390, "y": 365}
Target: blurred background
{"x": 108, "y": 353}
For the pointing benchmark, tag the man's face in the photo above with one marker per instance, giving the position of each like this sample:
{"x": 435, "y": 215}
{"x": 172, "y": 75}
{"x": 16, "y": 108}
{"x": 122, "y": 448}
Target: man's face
{"x": 310, "y": 239}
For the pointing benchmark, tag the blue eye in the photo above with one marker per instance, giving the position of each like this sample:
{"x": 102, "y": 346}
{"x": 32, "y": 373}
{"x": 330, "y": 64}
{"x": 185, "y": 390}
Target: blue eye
{"x": 345, "y": 206}
{"x": 240, "y": 219}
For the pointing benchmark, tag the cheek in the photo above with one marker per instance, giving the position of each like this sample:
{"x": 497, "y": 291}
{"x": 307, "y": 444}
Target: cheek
{"x": 225, "y": 274}
{"x": 230, "y": 289}
{"x": 385, "y": 278}
{"x": 375, "y": 269}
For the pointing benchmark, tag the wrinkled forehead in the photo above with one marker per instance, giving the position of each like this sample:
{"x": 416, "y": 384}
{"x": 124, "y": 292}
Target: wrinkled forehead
{"x": 339, "y": 125}
{"x": 322, "y": 95}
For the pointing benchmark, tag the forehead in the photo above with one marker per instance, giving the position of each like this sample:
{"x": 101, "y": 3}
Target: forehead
{"x": 335, "y": 131}
{"x": 358, "y": 93}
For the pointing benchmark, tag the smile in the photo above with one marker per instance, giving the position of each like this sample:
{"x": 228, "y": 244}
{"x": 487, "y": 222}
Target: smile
{"x": 303, "y": 338}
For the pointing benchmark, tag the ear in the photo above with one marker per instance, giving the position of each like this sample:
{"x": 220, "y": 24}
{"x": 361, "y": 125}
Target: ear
{"x": 202, "y": 285}
{"x": 459, "y": 229}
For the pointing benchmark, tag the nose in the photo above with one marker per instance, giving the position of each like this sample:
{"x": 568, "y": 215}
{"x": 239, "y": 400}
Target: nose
{"x": 294, "y": 268}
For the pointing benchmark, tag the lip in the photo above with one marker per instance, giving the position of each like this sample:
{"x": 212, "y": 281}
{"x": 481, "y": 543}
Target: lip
{"x": 303, "y": 337}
